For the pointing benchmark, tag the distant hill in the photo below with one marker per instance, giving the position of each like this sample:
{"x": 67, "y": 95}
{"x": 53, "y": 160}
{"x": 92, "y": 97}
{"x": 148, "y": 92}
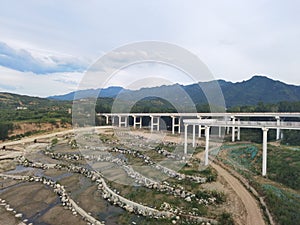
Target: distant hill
{"x": 249, "y": 92}
{"x": 258, "y": 89}
{"x": 12, "y": 101}
{"x": 109, "y": 92}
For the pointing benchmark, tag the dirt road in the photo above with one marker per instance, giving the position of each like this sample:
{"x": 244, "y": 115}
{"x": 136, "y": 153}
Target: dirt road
{"x": 254, "y": 214}
{"x": 43, "y": 136}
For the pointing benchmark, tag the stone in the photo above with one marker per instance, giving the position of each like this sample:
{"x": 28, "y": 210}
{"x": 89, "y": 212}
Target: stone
{"x": 19, "y": 215}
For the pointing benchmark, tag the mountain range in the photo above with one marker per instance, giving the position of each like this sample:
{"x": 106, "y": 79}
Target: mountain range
{"x": 249, "y": 92}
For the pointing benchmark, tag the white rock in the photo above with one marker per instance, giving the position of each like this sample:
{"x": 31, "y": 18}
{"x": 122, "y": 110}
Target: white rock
{"x": 19, "y": 215}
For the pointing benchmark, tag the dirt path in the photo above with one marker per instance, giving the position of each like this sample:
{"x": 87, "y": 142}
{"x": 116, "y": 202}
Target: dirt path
{"x": 254, "y": 214}
{"x": 50, "y": 135}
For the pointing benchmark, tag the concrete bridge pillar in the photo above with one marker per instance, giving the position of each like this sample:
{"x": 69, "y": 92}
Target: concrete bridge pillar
{"x": 233, "y": 130}
{"x": 185, "y": 138}
{"x": 107, "y": 119}
{"x": 174, "y": 124}
{"x": 137, "y": 122}
{"x": 123, "y": 122}
{"x": 194, "y": 135}
{"x": 154, "y": 123}
{"x": 200, "y": 129}
{"x": 264, "y": 156}
{"x": 239, "y": 131}
{"x": 112, "y": 120}
{"x": 206, "y": 145}
{"x": 278, "y": 129}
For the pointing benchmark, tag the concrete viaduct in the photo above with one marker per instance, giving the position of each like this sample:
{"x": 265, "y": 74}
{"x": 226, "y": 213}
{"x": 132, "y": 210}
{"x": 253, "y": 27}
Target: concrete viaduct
{"x": 204, "y": 121}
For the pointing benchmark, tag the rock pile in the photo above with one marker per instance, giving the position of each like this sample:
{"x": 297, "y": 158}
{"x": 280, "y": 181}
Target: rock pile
{"x": 18, "y": 215}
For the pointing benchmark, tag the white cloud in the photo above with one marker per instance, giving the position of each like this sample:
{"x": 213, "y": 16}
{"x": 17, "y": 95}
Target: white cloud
{"x": 29, "y": 83}
{"x": 37, "y": 61}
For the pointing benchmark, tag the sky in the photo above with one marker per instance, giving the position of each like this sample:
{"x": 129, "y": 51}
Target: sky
{"x": 46, "y": 47}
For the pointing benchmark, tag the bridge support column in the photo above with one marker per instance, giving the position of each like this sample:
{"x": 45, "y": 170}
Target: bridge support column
{"x": 220, "y": 131}
{"x": 227, "y": 130}
{"x": 194, "y": 135}
{"x": 107, "y": 119}
{"x": 239, "y": 131}
{"x": 136, "y": 122}
{"x": 206, "y": 145}
{"x": 121, "y": 122}
{"x": 278, "y": 129}
{"x": 112, "y": 120}
{"x": 264, "y": 155}
{"x": 233, "y": 130}
{"x": 199, "y": 132}
{"x": 185, "y": 138}
{"x": 174, "y": 124}
{"x": 200, "y": 129}
{"x": 154, "y": 123}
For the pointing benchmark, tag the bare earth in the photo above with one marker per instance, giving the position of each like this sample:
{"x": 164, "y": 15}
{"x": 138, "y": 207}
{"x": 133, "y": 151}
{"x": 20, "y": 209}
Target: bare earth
{"x": 254, "y": 215}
